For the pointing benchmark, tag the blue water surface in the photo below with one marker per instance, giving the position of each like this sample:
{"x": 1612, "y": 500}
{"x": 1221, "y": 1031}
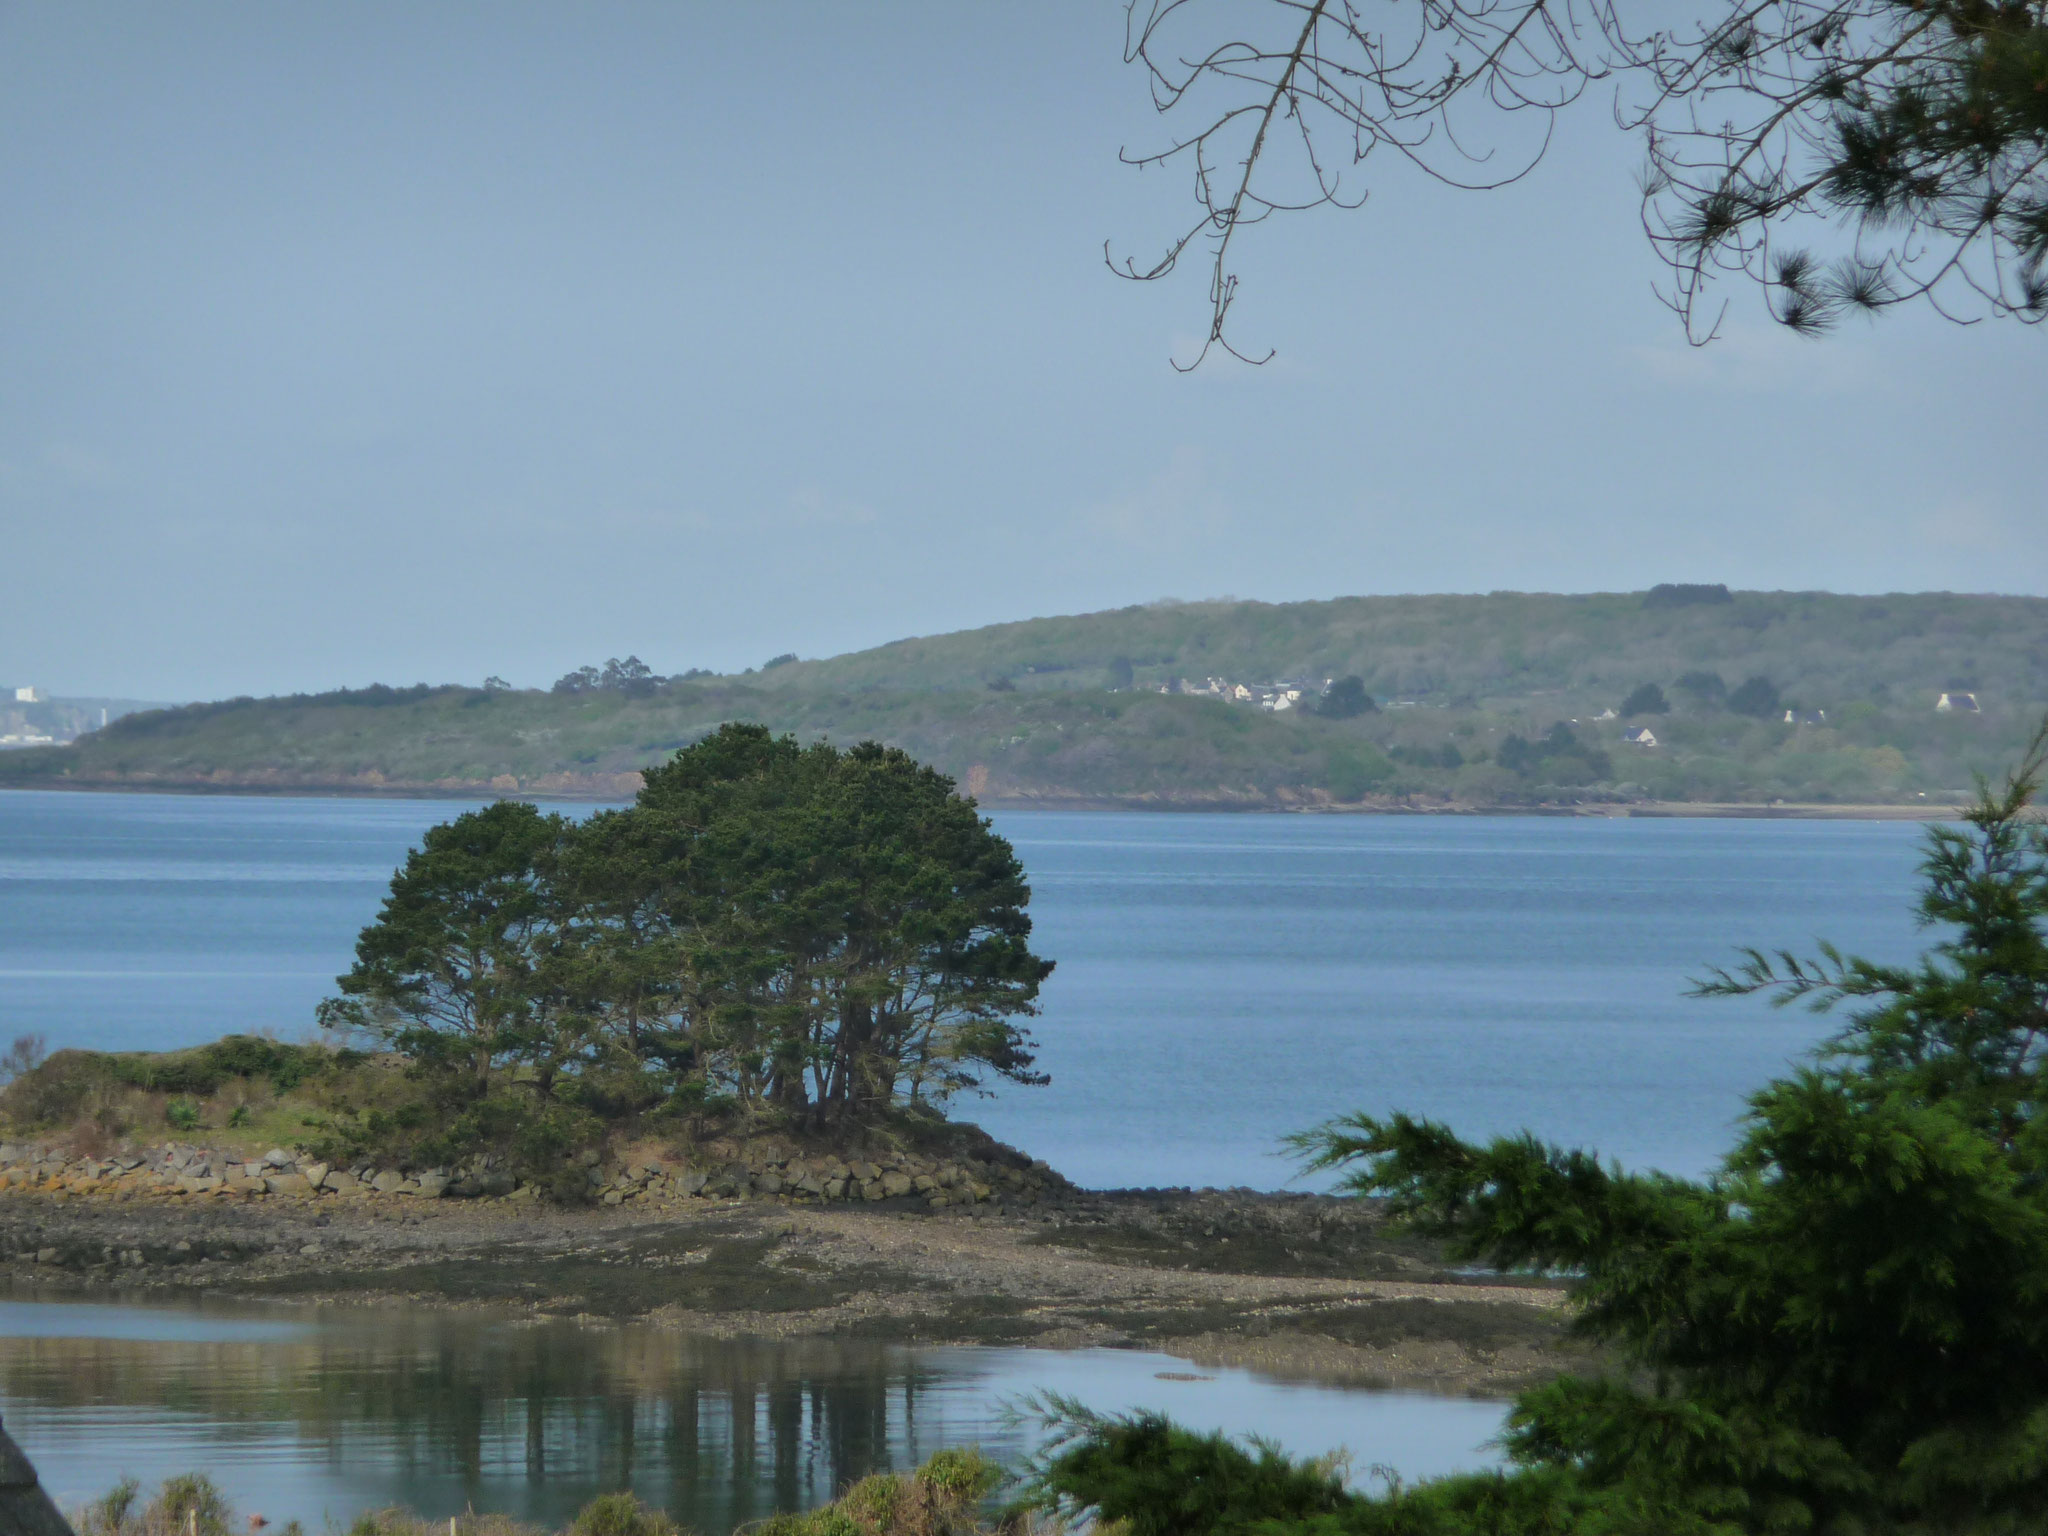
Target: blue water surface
{"x": 1222, "y": 980}
{"x": 317, "y": 1415}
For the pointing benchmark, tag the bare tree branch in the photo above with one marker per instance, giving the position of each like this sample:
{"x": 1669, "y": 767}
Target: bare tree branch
{"x": 1912, "y": 134}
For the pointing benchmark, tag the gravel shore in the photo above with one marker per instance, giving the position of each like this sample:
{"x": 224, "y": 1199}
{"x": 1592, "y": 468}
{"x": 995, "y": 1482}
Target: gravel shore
{"x": 1296, "y": 1285}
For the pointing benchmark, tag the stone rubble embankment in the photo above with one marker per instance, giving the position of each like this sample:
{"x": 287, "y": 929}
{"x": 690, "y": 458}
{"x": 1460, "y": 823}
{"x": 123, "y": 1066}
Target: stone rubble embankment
{"x": 178, "y": 1170}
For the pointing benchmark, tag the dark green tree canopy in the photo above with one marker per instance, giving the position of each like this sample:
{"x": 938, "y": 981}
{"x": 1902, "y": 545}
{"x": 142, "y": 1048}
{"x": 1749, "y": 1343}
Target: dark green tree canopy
{"x": 1756, "y": 696}
{"x": 1705, "y": 687}
{"x": 800, "y": 932}
{"x": 1648, "y": 699}
{"x": 1558, "y": 757}
{"x": 451, "y": 971}
{"x": 1346, "y": 699}
{"x": 1687, "y": 594}
{"x": 893, "y": 915}
{"x": 631, "y": 677}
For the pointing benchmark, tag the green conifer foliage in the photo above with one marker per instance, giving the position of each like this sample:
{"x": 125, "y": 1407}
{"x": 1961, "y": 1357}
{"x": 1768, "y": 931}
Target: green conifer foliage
{"x": 1844, "y": 1330}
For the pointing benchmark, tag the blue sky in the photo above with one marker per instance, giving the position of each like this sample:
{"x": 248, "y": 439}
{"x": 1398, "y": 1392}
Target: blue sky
{"x": 384, "y": 343}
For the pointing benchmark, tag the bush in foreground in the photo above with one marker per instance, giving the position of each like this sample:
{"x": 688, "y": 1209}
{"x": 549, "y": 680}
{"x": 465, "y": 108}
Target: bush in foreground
{"x": 944, "y": 1497}
{"x": 1843, "y": 1332}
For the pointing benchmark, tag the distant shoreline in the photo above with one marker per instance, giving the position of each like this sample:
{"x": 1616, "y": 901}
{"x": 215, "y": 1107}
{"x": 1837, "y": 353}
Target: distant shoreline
{"x": 610, "y": 794}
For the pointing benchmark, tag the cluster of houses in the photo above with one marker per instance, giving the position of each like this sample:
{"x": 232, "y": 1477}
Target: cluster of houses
{"x": 1286, "y": 694}
{"x": 15, "y": 729}
{"x": 30, "y": 718}
{"x": 1948, "y": 703}
{"x": 1290, "y": 693}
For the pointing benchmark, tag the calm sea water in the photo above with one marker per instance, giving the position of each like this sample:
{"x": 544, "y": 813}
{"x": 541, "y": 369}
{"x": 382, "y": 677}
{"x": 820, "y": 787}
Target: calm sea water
{"x": 318, "y": 1417}
{"x": 1222, "y": 979}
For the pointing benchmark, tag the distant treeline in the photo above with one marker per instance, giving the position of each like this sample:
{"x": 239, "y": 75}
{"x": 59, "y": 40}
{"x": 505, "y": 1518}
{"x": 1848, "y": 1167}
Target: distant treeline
{"x": 1498, "y": 700}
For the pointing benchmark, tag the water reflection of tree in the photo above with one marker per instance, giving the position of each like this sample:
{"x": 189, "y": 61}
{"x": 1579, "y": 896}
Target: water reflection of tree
{"x": 719, "y": 1431}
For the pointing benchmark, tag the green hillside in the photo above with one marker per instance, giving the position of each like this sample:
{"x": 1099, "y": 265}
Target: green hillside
{"x": 1502, "y": 646}
{"x": 1471, "y": 694}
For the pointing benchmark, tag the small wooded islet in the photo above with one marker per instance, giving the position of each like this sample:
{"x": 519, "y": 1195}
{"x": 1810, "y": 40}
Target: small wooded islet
{"x": 799, "y": 937}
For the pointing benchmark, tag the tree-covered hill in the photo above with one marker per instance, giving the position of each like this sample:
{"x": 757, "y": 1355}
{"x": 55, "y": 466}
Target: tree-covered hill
{"x": 1820, "y": 646}
{"x": 1481, "y": 701}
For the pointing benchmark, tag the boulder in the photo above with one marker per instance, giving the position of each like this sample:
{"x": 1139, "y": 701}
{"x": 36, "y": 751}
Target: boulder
{"x": 287, "y": 1184}
{"x": 340, "y": 1180}
{"x": 387, "y": 1182}
{"x": 896, "y": 1183}
{"x": 316, "y": 1174}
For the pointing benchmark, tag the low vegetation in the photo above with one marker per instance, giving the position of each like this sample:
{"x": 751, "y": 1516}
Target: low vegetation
{"x": 187, "y": 1505}
{"x": 242, "y": 1090}
{"x": 947, "y": 1496}
{"x": 1067, "y": 710}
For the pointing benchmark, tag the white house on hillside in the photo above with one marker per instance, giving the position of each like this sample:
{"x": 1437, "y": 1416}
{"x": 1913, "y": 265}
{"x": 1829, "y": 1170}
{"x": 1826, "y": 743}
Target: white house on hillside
{"x": 1639, "y": 736}
{"x": 1961, "y": 703}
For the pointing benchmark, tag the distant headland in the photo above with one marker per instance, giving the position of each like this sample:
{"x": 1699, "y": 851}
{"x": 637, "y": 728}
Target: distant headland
{"x": 1683, "y": 699}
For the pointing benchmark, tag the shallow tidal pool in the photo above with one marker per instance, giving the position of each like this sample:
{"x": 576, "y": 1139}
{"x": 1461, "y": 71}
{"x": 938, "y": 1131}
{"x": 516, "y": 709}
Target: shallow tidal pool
{"x": 318, "y": 1414}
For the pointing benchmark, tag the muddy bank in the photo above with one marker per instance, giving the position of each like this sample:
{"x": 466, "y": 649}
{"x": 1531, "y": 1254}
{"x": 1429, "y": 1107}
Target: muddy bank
{"x": 1296, "y": 1285}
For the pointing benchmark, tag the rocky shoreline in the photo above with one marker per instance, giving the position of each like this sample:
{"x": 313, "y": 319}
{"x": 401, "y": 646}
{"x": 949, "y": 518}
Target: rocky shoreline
{"x": 1306, "y": 1286}
{"x": 998, "y": 1177}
